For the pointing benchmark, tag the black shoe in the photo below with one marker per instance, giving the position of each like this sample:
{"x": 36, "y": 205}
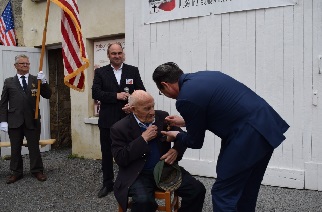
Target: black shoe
{"x": 104, "y": 191}
{"x": 14, "y": 178}
{"x": 40, "y": 176}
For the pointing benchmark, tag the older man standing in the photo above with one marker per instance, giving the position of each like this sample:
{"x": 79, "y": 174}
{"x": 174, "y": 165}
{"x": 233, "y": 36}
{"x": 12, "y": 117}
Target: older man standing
{"x": 19, "y": 93}
{"x": 111, "y": 86}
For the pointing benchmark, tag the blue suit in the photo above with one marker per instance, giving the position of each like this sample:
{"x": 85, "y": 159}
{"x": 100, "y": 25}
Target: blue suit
{"x": 249, "y": 127}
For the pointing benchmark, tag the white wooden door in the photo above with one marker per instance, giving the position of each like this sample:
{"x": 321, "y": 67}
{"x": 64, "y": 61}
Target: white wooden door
{"x": 276, "y": 52}
{"x": 7, "y": 69}
{"x": 313, "y": 65}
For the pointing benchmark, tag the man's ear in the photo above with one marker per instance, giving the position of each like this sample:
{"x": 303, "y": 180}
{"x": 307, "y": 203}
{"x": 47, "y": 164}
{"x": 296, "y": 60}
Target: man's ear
{"x": 132, "y": 109}
{"x": 164, "y": 84}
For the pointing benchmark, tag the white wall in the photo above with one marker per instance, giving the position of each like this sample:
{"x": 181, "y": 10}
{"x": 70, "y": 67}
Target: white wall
{"x": 273, "y": 51}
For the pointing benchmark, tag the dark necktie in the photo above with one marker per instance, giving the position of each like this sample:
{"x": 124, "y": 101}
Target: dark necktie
{"x": 154, "y": 155}
{"x": 143, "y": 126}
{"x": 24, "y": 83}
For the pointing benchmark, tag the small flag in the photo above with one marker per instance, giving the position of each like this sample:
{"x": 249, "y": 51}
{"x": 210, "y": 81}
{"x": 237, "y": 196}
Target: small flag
{"x": 7, "y": 27}
{"x": 74, "y": 53}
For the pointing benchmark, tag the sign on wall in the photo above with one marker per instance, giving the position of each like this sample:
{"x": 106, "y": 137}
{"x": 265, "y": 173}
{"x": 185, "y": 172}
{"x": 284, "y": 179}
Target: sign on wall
{"x": 165, "y": 10}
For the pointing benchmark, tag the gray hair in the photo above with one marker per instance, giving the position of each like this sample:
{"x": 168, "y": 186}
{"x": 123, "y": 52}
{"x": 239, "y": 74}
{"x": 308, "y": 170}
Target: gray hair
{"x": 138, "y": 96}
{"x": 20, "y": 56}
{"x": 132, "y": 100}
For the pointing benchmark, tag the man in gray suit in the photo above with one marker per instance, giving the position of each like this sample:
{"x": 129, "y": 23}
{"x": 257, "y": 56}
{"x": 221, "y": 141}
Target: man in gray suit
{"x": 19, "y": 93}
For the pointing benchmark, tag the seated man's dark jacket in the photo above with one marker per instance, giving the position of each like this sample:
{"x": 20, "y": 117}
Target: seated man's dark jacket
{"x": 130, "y": 150}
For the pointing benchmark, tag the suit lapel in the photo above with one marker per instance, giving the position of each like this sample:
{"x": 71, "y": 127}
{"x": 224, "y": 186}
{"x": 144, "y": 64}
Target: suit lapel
{"x": 125, "y": 76}
{"x": 110, "y": 74}
{"x": 29, "y": 83}
{"x": 17, "y": 84}
{"x": 32, "y": 85}
{"x": 158, "y": 123}
{"x": 134, "y": 126}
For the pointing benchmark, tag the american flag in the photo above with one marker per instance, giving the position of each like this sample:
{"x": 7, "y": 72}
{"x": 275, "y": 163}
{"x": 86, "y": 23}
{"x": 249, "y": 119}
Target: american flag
{"x": 7, "y": 27}
{"x": 74, "y": 53}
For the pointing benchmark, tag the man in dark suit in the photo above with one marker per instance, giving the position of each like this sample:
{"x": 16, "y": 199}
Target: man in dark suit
{"x": 137, "y": 146}
{"x": 249, "y": 127}
{"x": 19, "y": 93}
{"x": 112, "y": 85}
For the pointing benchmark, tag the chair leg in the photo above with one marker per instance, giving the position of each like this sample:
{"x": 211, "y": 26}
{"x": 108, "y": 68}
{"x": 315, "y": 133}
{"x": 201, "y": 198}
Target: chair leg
{"x": 175, "y": 202}
{"x": 167, "y": 200}
{"x": 120, "y": 208}
{"x": 168, "y": 205}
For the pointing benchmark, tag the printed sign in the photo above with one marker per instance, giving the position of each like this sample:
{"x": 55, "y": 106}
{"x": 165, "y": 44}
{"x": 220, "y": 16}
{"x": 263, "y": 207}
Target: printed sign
{"x": 165, "y": 10}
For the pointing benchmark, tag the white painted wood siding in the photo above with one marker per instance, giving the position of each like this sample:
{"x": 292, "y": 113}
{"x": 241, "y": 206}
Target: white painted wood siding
{"x": 273, "y": 51}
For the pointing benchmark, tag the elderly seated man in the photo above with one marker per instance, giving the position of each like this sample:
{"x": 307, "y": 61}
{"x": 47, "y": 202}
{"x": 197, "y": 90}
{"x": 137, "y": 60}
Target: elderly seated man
{"x": 137, "y": 146}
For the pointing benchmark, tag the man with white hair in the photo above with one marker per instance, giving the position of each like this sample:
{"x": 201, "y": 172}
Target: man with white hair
{"x": 137, "y": 146}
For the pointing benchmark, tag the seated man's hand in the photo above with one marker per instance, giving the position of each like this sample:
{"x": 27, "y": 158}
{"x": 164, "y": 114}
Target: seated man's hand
{"x": 150, "y": 133}
{"x": 175, "y": 121}
{"x": 170, "y": 157}
{"x": 41, "y": 76}
{"x": 4, "y": 126}
{"x": 127, "y": 109}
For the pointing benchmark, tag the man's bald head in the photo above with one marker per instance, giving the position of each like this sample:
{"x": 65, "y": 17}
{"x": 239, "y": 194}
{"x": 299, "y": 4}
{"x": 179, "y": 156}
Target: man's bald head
{"x": 142, "y": 106}
{"x": 139, "y": 97}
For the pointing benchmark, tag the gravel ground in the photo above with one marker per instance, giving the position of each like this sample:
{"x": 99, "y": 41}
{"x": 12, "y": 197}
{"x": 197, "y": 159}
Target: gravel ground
{"x": 73, "y": 184}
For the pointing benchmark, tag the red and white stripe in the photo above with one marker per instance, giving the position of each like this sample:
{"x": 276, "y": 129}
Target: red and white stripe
{"x": 74, "y": 54}
{"x": 7, "y": 38}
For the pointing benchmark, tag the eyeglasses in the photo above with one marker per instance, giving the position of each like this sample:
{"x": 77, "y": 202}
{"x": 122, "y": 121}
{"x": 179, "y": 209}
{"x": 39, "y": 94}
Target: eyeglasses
{"x": 24, "y": 64}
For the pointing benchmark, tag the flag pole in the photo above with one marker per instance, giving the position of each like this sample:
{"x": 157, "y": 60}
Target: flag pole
{"x": 42, "y": 57}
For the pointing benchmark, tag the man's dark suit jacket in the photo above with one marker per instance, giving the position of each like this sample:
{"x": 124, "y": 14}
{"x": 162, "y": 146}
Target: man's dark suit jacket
{"x": 130, "y": 151}
{"x": 214, "y": 101}
{"x": 22, "y": 104}
{"x": 105, "y": 89}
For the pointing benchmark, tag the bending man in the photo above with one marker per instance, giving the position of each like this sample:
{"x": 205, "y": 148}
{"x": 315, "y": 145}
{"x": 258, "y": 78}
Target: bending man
{"x": 249, "y": 127}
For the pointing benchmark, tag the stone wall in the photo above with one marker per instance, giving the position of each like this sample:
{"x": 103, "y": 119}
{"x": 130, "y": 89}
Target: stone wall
{"x": 60, "y": 106}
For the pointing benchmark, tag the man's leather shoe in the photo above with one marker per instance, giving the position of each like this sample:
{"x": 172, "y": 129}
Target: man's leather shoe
{"x": 104, "y": 191}
{"x": 40, "y": 176}
{"x": 14, "y": 178}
